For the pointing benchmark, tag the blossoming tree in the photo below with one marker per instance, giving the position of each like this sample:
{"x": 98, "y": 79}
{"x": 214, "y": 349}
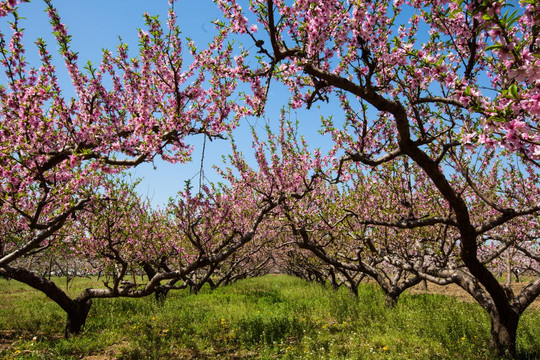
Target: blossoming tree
{"x": 175, "y": 248}
{"x": 56, "y": 150}
{"x": 436, "y": 82}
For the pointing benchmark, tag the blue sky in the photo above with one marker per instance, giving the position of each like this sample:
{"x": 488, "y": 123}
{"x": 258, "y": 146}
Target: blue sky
{"x": 97, "y": 24}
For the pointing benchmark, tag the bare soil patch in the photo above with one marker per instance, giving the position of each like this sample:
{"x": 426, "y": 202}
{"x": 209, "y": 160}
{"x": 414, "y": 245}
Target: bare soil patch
{"x": 7, "y": 337}
{"x": 457, "y": 292}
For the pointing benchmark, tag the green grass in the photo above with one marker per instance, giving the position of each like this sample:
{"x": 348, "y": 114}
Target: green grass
{"x": 273, "y": 317}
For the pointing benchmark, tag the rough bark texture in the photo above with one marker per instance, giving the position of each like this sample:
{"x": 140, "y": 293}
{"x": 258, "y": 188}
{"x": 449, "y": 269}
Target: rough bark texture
{"x": 353, "y": 289}
{"x": 77, "y": 317}
{"x": 503, "y": 334}
{"x": 391, "y": 300}
{"x": 159, "y": 293}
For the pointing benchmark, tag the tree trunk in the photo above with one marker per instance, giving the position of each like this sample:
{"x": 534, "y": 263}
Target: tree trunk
{"x": 516, "y": 274}
{"x": 508, "y": 269}
{"x": 503, "y": 334}
{"x": 77, "y": 317}
{"x": 161, "y": 295}
{"x": 353, "y": 288}
{"x": 212, "y": 284}
{"x": 334, "y": 281}
{"x": 391, "y": 299}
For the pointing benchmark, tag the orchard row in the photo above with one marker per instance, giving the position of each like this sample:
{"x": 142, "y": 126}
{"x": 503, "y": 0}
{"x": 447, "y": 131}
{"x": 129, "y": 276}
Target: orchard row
{"x": 433, "y": 175}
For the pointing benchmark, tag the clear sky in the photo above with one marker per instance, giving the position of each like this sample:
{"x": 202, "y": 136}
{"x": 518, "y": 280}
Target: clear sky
{"x": 97, "y": 24}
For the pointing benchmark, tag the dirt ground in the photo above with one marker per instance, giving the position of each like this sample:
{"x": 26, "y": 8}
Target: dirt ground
{"x": 458, "y": 292}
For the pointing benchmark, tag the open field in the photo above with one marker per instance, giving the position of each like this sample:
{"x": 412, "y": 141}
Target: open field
{"x": 273, "y": 317}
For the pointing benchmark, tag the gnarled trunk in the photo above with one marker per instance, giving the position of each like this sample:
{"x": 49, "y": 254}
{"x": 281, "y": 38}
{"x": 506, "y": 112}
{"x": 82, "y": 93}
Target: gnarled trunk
{"x": 77, "y": 317}
{"x": 391, "y": 299}
{"x": 333, "y": 280}
{"x": 353, "y": 289}
{"x": 508, "y": 270}
{"x": 159, "y": 293}
{"x": 503, "y": 334}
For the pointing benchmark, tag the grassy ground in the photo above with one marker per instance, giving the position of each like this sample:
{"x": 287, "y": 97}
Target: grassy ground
{"x": 274, "y": 317}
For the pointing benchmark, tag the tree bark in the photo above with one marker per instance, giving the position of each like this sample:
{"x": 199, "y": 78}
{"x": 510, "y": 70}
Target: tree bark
{"x": 160, "y": 293}
{"x": 194, "y": 289}
{"x": 353, "y": 289}
{"x": 503, "y": 334}
{"x": 508, "y": 269}
{"x": 391, "y": 300}
{"x": 333, "y": 280}
{"x": 77, "y": 317}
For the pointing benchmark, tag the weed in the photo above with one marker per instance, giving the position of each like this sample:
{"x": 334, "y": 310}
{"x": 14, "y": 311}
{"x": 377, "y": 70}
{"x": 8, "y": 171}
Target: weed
{"x": 262, "y": 318}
